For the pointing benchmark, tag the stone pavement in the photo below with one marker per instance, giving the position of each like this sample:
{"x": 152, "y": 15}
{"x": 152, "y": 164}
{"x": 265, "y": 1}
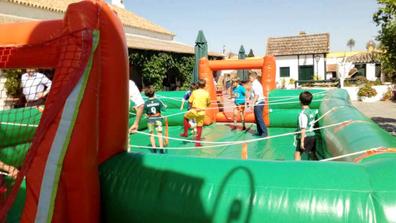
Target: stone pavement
{"x": 381, "y": 112}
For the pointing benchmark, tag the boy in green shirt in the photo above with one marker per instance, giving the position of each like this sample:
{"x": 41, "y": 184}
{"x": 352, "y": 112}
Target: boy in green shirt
{"x": 153, "y": 108}
{"x": 305, "y": 142}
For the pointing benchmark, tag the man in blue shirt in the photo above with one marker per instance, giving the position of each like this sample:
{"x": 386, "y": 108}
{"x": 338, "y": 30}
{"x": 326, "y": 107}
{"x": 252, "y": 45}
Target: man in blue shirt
{"x": 239, "y": 94}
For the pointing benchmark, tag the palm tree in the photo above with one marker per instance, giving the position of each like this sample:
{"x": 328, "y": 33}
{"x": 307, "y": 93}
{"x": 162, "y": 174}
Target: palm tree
{"x": 351, "y": 44}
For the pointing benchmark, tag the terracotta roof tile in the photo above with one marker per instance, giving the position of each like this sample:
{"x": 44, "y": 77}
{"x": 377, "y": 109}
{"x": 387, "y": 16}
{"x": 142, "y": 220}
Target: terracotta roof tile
{"x": 297, "y": 45}
{"x": 365, "y": 57}
{"x": 128, "y": 18}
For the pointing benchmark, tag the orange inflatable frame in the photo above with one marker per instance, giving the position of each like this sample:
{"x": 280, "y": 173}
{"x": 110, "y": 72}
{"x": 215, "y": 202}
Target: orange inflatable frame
{"x": 268, "y": 72}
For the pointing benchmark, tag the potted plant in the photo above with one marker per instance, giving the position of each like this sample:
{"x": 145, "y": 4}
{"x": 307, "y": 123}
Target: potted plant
{"x": 367, "y": 93}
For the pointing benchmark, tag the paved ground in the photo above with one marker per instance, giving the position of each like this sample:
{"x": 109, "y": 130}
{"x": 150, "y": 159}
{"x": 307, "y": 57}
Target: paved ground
{"x": 382, "y": 112}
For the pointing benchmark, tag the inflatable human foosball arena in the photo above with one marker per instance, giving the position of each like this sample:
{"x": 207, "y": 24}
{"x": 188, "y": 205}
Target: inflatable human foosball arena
{"x": 73, "y": 160}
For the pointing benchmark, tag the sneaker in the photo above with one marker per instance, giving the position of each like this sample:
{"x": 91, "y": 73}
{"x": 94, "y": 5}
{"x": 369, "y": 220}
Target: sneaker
{"x": 183, "y": 135}
{"x": 198, "y": 144}
{"x": 243, "y": 128}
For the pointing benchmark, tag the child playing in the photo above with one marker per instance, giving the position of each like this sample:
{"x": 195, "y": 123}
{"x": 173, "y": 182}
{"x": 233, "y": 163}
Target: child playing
{"x": 199, "y": 100}
{"x": 305, "y": 142}
{"x": 239, "y": 93}
{"x": 153, "y": 108}
{"x": 186, "y": 97}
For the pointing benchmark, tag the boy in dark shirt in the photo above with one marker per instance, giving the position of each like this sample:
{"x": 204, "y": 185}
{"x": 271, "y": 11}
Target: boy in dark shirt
{"x": 153, "y": 108}
{"x": 305, "y": 142}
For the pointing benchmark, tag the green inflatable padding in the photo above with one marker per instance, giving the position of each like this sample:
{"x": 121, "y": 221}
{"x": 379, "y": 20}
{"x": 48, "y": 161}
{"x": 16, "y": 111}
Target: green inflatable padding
{"x": 284, "y": 118}
{"x": 163, "y": 188}
{"x": 289, "y": 99}
{"x": 18, "y": 126}
{"x": 15, "y": 213}
{"x": 14, "y": 155}
{"x": 359, "y": 134}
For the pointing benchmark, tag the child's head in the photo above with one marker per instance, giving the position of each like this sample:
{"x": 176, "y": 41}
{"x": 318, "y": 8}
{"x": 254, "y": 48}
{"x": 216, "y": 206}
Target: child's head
{"x": 305, "y": 98}
{"x": 252, "y": 76}
{"x": 201, "y": 83}
{"x": 193, "y": 86}
{"x": 235, "y": 82}
{"x": 149, "y": 91}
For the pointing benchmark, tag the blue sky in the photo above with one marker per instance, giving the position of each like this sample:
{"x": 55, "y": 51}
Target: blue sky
{"x": 251, "y": 22}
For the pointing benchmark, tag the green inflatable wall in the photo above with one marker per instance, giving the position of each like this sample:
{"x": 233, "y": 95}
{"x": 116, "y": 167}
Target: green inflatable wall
{"x": 138, "y": 187}
{"x": 18, "y": 126}
{"x": 152, "y": 188}
{"x": 360, "y": 134}
{"x": 170, "y": 188}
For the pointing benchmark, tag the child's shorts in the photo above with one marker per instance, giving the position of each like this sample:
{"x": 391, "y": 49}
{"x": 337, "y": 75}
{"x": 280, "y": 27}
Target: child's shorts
{"x": 240, "y": 107}
{"x": 309, "y": 145}
{"x": 154, "y": 123}
{"x": 198, "y": 116}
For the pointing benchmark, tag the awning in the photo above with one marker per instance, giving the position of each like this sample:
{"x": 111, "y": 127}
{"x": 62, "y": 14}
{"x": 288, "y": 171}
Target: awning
{"x": 330, "y": 68}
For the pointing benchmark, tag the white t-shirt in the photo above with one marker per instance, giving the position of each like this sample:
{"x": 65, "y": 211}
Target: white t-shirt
{"x": 134, "y": 94}
{"x": 34, "y": 84}
{"x": 258, "y": 90}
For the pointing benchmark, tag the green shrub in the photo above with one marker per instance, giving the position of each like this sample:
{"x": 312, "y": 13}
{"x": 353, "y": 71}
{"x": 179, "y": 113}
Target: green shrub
{"x": 367, "y": 91}
{"x": 13, "y": 82}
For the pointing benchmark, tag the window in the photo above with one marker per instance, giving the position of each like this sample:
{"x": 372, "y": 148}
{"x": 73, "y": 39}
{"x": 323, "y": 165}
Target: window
{"x": 284, "y": 71}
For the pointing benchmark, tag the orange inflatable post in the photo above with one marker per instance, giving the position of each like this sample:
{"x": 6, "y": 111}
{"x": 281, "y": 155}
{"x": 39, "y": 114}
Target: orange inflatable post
{"x": 268, "y": 74}
{"x": 267, "y": 66}
{"x": 207, "y": 74}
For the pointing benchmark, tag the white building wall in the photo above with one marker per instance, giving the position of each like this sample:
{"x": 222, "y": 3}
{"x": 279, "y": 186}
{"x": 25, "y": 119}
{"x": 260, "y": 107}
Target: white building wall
{"x": 295, "y": 61}
{"x": 3, "y": 94}
{"x": 370, "y": 72}
{"x": 320, "y": 70}
{"x": 287, "y": 61}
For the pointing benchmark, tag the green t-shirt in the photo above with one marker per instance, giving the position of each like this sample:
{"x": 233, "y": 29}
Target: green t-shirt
{"x": 306, "y": 120}
{"x": 153, "y": 107}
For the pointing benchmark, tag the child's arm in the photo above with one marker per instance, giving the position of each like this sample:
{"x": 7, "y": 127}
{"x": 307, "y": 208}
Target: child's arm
{"x": 163, "y": 106}
{"x": 303, "y": 122}
{"x": 182, "y": 105}
{"x": 302, "y": 139}
{"x": 12, "y": 171}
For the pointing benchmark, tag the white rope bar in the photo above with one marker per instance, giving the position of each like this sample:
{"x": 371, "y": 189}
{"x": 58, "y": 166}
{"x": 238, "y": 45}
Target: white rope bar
{"x": 180, "y": 148}
{"x": 350, "y": 154}
{"x": 4, "y": 173}
{"x": 18, "y": 124}
{"x": 244, "y": 141}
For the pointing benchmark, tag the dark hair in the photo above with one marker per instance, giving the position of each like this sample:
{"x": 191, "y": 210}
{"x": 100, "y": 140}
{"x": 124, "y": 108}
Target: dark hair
{"x": 149, "y": 91}
{"x": 201, "y": 83}
{"x": 193, "y": 86}
{"x": 306, "y": 98}
{"x": 236, "y": 80}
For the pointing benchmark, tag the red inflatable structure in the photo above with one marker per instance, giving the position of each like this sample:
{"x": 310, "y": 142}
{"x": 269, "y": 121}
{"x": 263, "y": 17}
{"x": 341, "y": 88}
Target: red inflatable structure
{"x": 86, "y": 115}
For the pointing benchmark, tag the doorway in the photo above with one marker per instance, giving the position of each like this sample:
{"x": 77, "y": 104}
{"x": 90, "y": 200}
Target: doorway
{"x": 305, "y": 73}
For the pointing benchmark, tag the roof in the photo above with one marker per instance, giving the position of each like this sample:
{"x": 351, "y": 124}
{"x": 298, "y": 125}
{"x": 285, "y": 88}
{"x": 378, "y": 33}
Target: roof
{"x": 364, "y": 57}
{"x": 127, "y": 18}
{"x": 298, "y": 45}
{"x": 147, "y": 43}
{"x": 331, "y": 68}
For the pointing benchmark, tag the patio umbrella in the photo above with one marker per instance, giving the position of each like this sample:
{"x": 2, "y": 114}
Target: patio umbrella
{"x": 201, "y": 50}
{"x": 242, "y": 74}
